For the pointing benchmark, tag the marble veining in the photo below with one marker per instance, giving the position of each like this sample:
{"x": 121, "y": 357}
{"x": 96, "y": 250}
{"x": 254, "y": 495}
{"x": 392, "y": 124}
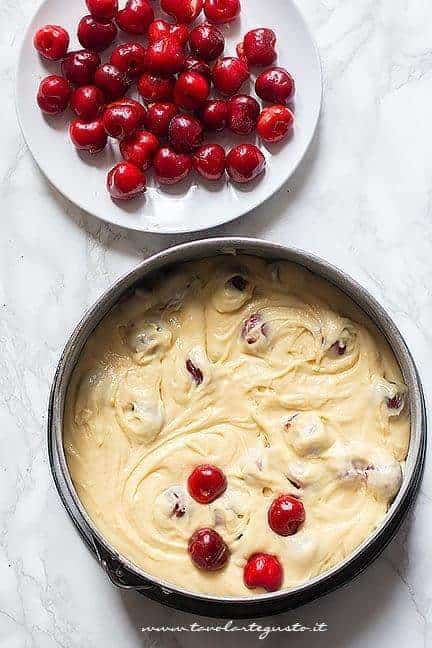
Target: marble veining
{"x": 362, "y": 199}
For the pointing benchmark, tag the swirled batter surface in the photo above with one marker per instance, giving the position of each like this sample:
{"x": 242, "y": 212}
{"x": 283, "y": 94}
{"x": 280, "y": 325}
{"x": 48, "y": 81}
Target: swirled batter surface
{"x": 263, "y": 370}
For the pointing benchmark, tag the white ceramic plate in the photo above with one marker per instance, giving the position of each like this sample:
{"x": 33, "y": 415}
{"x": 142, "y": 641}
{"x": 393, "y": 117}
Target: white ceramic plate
{"x": 193, "y": 204}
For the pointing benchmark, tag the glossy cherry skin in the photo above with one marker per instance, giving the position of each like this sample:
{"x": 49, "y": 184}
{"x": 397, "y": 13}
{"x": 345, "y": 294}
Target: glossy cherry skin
{"x": 52, "y": 42}
{"x": 165, "y": 56}
{"x": 80, "y": 67}
{"x": 184, "y": 11}
{"x": 245, "y": 163}
{"x": 275, "y": 85}
{"x": 136, "y": 17}
{"x": 259, "y": 47}
{"x": 87, "y": 102}
{"x": 140, "y": 149}
{"x": 153, "y": 87}
{"x": 285, "y": 515}
{"x": 214, "y": 115}
{"x": 159, "y": 116}
{"x": 195, "y": 65}
{"x": 191, "y": 90}
{"x": 275, "y": 123}
{"x": 171, "y": 167}
{"x": 103, "y": 9}
{"x": 113, "y": 83}
{"x": 162, "y": 29}
{"x": 209, "y": 161}
{"x": 122, "y": 118}
{"x": 54, "y": 94}
{"x": 129, "y": 58}
{"x": 229, "y": 74}
{"x": 222, "y": 11}
{"x": 208, "y": 550}
{"x": 206, "y": 483}
{"x": 88, "y": 136}
{"x": 126, "y": 181}
{"x": 96, "y": 35}
{"x": 206, "y": 42}
{"x": 243, "y": 113}
{"x": 263, "y": 570}
{"x": 185, "y": 133}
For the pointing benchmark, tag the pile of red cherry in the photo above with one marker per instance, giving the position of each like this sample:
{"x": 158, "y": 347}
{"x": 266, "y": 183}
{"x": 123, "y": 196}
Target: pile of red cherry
{"x": 174, "y": 72}
{"x": 209, "y": 551}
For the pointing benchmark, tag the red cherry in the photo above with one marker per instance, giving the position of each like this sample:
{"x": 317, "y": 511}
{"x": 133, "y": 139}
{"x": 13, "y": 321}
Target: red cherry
{"x": 274, "y": 123}
{"x": 159, "y": 116}
{"x": 229, "y": 74}
{"x": 140, "y": 149}
{"x": 103, "y": 9}
{"x": 259, "y": 47}
{"x": 87, "y": 102}
{"x": 285, "y": 515}
{"x": 136, "y": 17}
{"x": 88, "y": 136}
{"x": 153, "y": 87}
{"x": 185, "y": 133}
{"x": 129, "y": 58}
{"x": 161, "y": 29}
{"x": 126, "y": 181}
{"x": 206, "y": 42}
{"x": 222, "y": 11}
{"x": 275, "y": 85}
{"x": 111, "y": 81}
{"x": 208, "y": 550}
{"x": 51, "y": 41}
{"x": 214, "y": 115}
{"x": 263, "y": 570}
{"x": 184, "y": 11}
{"x": 96, "y": 35}
{"x": 165, "y": 56}
{"x": 243, "y": 113}
{"x": 121, "y": 119}
{"x": 206, "y": 483}
{"x": 191, "y": 90}
{"x": 171, "y": 167}
{"x": 54, "y": 94}
{"x": 209, "y": 161}
{"x": 80, "y": 67}
{"x": 195, "y": 65}
{"x": 244, "y": 163}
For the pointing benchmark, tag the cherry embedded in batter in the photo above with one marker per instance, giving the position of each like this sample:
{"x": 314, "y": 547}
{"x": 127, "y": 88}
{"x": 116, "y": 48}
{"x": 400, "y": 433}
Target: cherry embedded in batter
{"x": 154, "y": 87}
{"x": 339, "y": 347}
{"x": 275, "y": 123}
{"x": 113, "y": 83}
{"x": 238, "y": 282}
{"x": 263, "y": 570}
{"x": 222, "y": 11}
{"x": 165, "y": 56}
{"x": 275, "y": 85}
{"x": 87, "y": 102}
{"x": 184, "y": 11}
{"x": 209, "y": 161}
{"x": 229, "y": 74}
{"x": 208, "y": 550}
{"x": 96, "y": 35}
{"x": 52, "y": 42}
{"x": 88, "y": 136}
{"x": 194, "y": 371}
{"x": 126, "y": 181}
{"x": 245, "y": 163}
{"x": 206, "y": 483}
{"x": 162, "y": 29}
{"x": 79, "y": 67}
{"x": 214, "y": 115}
{"x": 140, "y": 149}
{"x": 171, "y": 167}
{"x": 259, "y": 47}
{"x": 103, "y": 9}
{"x": 129, "y": 58}
{"x": 54, "y": 94}
{"x": 286, "y": 515}
{"x": 136, "y": 17}
{"x": 159, "y": 116}
{"x": 206, "y": 42}
{"x": 395, "y": 403}
{"x": 243, "y": 113}
{"x": 185, "y": 133}
{"x": 123, "y": 117}
{"x": 191, "y": 90}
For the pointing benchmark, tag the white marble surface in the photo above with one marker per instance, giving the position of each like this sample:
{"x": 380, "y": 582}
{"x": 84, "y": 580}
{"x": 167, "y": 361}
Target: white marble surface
{"x": 362, "y": 199}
